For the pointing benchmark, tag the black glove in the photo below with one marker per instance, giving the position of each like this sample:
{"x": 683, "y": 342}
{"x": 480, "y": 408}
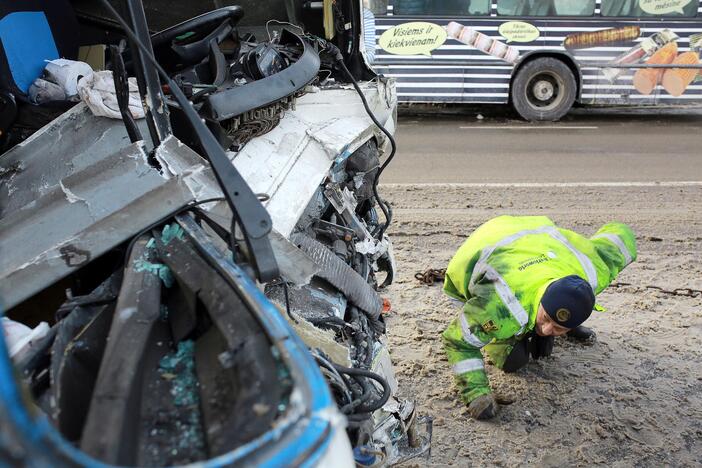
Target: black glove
{"x": 582, "y": 333}
{"x": 541, "y": 346}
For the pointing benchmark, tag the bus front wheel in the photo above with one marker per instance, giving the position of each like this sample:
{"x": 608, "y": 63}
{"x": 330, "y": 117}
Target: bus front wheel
{"x": 544, "y": 89}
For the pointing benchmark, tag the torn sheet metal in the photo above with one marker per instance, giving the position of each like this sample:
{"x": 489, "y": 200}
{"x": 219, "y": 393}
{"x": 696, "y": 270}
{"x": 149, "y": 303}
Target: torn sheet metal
{"x": 291, "y": 161}
{"x": 65, "y": 146}
{"x": 316, "y": 302}
{"x": 54, "y": 183}
{"x": 178, "y": 160}
{"x": 345, "y": 204}
{"x": 85, "y": 189}
{"x": 295, "y": 265}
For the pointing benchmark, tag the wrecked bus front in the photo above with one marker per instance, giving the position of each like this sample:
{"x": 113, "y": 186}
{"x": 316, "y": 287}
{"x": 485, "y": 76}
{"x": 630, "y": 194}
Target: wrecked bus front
{"x": 183, "y": 321}
{"x": 197, "y": 401}
{"x": 161, "y": 350}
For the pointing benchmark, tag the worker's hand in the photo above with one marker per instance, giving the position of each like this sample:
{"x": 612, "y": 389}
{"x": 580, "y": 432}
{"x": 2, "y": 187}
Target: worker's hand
{"x": 541, "y": 346}
{"x": 483, "y": 407}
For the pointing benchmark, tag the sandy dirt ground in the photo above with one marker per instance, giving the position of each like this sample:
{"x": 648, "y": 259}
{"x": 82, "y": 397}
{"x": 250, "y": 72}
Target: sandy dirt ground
{"x": 631, "y": 399}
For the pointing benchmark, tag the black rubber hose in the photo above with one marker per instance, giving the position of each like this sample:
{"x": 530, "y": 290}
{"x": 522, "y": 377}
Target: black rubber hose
{"x": 358, "y": 335}
{"x": 365, "y": 396}
{"x": 119, "y": 76}
{"x": 384, "y": 208}
{"x": 369, "y": 408}
{"x": 330, "y": 367}
{"x": 327, "y": 321}
{"x": 387, "y": 206}
{"x": 287, "y": 302}
{"x": 368, "y": 391}
{"x": 387, "y": 392}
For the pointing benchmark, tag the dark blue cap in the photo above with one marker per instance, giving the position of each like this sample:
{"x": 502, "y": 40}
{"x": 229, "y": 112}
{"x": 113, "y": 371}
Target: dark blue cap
{"x": 569, "y": 301}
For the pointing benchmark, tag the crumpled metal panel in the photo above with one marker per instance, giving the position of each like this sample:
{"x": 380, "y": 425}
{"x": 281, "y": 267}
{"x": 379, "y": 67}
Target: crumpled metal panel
{"x": 80, "y": 188}
{"x": 291, "y": 161}
{"x": 68, "y": 144}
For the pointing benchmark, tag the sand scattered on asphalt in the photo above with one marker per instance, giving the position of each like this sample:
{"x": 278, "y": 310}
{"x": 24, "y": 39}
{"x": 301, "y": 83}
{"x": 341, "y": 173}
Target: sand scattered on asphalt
{"x": 632, "y": 398}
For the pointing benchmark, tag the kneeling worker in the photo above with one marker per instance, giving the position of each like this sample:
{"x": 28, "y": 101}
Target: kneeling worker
{"x": 523, "y": 281}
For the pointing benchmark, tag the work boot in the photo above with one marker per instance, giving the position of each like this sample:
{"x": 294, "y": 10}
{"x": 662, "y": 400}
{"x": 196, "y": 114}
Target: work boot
{"x": 483, "y": 407}
{"x": 582, "y": 333}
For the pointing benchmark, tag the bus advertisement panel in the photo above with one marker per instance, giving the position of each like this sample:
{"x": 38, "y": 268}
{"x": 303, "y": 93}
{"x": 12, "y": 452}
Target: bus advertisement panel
{"x": 540, "y": 55}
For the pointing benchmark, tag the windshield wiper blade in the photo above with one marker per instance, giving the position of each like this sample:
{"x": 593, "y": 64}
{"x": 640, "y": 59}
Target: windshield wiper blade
{"x": 247, "y": 211}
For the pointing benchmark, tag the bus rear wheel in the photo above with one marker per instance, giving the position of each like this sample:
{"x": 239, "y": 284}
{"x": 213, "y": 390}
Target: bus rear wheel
{"x": 544, "y": 89}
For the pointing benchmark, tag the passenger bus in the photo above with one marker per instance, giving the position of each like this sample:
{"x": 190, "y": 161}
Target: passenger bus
{"x": 541, "y": 56}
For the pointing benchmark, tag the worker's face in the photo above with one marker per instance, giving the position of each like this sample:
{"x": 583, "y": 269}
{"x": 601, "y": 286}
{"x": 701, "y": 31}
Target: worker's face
{"x": 545, "y": 326}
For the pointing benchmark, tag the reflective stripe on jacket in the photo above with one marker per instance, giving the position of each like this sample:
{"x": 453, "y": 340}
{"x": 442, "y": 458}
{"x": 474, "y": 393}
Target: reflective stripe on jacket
{"x": 501, "y": 273}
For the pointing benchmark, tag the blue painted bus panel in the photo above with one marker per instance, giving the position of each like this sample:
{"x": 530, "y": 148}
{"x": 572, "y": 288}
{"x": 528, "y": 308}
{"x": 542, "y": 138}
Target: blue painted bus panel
{"x": 29, "y": 439}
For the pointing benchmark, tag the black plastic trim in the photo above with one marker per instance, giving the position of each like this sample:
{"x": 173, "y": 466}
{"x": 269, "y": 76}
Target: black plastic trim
{"x": 235, "y": 101}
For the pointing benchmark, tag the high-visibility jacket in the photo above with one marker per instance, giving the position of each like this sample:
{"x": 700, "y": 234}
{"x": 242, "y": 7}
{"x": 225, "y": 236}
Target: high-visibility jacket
{"x": 501, "y": 273}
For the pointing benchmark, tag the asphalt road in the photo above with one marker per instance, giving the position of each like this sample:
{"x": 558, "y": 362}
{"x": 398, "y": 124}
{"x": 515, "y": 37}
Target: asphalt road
{"x": 590, "y": 146}
{"x": 630, "y": 399}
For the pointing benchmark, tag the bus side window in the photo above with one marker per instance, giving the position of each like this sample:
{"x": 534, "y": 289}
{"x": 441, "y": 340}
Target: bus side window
{"x": 574, "y": 7}
{"x": 546, "y": 7}
{"x": 441, "y": 7}
{"x": 525, "y": 7}
{"x": 479, "y": 7}
{"x": 689, "y": 10}
{"x": 511, "y": 7}
{"x": 621, "y": 8}
{"x": 378, "y": 7}
{"x": 632, "y": 8}
{"x": 409, "y": 7}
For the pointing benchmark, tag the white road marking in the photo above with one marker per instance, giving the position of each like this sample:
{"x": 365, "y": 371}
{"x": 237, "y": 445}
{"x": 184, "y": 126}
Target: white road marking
{"x": 528, "y": 127}
{"x": 691, "y": 183}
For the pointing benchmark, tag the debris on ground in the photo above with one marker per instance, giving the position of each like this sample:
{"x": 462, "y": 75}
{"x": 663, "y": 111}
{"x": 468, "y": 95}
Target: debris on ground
{"x": 431, "y": 276}
{"x": 588, "y": 405}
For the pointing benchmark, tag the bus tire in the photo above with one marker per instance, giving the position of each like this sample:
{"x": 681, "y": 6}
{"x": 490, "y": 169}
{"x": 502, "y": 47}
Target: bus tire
{"x": 544, "y": 89}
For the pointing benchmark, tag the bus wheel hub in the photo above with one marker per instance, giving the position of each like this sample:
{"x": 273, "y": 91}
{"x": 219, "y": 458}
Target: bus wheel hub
{"x": 543, "y": 90}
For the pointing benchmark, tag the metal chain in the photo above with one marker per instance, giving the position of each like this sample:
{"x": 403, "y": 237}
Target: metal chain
{"x": 684, "y": 292}
{"x": 430, "y": 276}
